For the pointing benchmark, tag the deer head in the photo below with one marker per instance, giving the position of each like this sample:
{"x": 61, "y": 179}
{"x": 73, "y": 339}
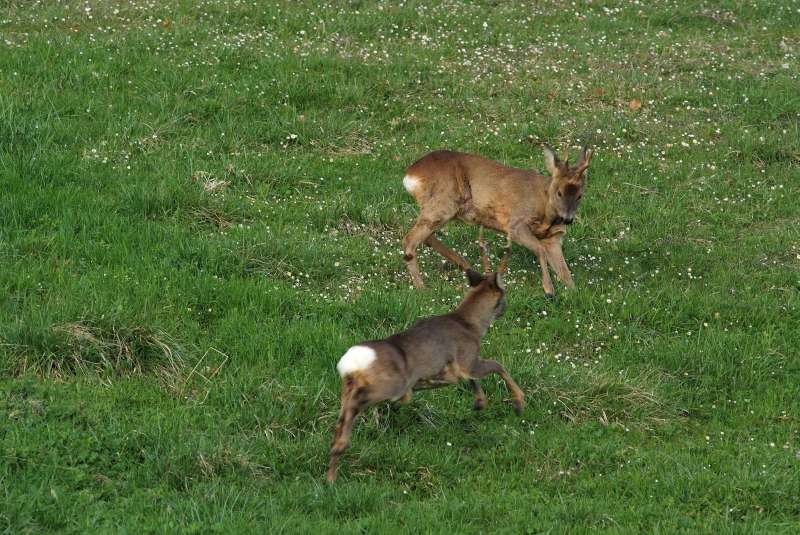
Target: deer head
{"x": 567, "y": 184}
{"x": 489, "y": 289}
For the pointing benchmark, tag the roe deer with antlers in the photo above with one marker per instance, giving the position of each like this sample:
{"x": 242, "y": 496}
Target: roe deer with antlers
{"x": 434, "y": 352}
{"x": 532, "y": 209}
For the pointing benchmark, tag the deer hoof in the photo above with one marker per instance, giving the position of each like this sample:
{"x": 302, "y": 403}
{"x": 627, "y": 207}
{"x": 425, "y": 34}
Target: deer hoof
{"x": 479, "y": 405}
{"x": 518, "y": 406}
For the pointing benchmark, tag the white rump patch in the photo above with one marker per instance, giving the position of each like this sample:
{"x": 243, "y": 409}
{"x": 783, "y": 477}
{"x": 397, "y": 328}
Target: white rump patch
{"x": 411, "y": 183}
{"x": 357, "y": 358}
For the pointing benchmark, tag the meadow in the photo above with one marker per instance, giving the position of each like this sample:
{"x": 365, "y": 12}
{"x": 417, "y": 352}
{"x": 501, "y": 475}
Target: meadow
{"x": 201, "y": 209}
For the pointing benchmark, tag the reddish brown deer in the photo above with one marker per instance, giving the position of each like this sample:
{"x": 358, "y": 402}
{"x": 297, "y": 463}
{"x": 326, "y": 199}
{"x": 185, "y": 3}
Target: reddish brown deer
{"x": 533, "y": 209}
{"x": 434, "y": 352}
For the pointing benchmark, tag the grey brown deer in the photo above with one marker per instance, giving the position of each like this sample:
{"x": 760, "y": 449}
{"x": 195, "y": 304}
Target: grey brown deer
{"x": 532, "y": 209}
{"x": 437, "y": 351}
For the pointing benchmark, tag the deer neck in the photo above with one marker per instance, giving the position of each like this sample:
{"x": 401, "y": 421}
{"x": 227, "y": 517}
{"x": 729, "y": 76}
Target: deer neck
{"x": 477, "y": 312}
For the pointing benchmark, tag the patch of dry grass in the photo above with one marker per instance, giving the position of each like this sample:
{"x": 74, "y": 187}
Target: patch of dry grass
{"x": 108, "y": 350}
{"x": 612, "y": 399}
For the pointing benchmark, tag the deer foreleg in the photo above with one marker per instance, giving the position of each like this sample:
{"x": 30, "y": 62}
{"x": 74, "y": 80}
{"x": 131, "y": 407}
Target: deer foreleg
{"x": 555, "y": 257}
{"x": 482, "y": 368}
{"x": 480, "y": 397}
{"x": 523, "y": 235}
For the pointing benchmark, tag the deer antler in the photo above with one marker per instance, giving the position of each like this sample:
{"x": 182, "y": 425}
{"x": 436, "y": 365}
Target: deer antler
{"x": 565, "y": 159}
{"x": 504, "y": 262}
{"x": 484, "y": 258}
{"x": 586, "y": 156}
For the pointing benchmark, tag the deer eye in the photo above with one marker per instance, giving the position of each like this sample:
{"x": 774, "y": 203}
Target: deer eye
{"x": 559, "y": 193}
{"x": 579, "y": 196}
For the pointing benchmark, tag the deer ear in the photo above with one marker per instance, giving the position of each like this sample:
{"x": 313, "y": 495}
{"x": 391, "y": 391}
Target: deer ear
{"x": 499, "y": 281}
{"x": 551, "y": 161}
{"x": 474, "y": 277}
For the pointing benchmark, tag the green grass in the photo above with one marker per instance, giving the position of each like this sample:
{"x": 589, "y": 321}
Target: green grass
{"x": 167, "y": 353}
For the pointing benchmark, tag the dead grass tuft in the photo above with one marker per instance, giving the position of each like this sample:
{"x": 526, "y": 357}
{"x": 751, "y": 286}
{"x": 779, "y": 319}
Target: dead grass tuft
{"x": 351, "y": 144}
{"x": 213, "y": 185}
{"x": 212, "y": 217}
{"x": 113, "y": 350}
{"x": 610, "y": 399}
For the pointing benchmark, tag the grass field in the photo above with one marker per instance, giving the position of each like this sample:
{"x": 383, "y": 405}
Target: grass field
{"x": 201, "y": 209}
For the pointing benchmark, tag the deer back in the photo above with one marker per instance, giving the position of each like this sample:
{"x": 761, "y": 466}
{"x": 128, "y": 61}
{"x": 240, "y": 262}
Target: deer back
{"x": 476, "y": 189}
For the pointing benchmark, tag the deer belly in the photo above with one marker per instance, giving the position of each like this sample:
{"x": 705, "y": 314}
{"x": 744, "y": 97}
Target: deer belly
{"x": 450, "y": 374}
{"x": 471, "y": 214}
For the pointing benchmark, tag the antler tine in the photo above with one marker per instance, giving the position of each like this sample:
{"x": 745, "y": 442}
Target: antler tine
{"x": 586, "y": 156}
{"x": 484, "y": 258}
{"x": 565, "y": 159}
{"x": 504, "y": 262}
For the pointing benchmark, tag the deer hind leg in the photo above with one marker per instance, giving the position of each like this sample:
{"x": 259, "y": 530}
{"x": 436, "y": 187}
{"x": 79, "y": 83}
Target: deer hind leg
{"x": 523, "y": 235}
{"x": 447, "y": 253}
{"x": 354, "y": 399}
{"x": 555, "y": 257}
{"x": 420, "y": 232}
{"x": 482, "y": 368}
